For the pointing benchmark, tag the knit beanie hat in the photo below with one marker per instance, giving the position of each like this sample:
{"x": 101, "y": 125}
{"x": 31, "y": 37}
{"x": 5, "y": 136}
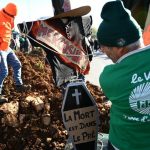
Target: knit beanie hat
{"x": 10, "y": 9}
{"x": 118, "y": 27}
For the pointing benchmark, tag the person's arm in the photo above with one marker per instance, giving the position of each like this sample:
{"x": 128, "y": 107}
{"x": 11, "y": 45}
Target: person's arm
{"x": 0, "y": 40}
{"x": 4, "y": 36}
{"x": 89, "y": 49}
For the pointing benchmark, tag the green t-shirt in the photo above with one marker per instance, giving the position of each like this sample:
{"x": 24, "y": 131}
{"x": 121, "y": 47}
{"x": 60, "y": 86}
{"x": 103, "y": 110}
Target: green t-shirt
{"x": 127, "y": 85}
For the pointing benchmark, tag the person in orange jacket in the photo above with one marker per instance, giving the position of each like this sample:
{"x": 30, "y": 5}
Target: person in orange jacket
{"x": 7, "y": 55}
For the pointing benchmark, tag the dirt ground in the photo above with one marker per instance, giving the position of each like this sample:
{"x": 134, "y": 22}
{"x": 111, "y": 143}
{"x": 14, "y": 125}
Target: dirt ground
{"x": 32, "y": 120}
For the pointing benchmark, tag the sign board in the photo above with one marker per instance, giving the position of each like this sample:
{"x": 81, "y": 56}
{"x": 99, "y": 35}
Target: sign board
{"x": 80, "y": 116}
{"x": 70, "y": 53}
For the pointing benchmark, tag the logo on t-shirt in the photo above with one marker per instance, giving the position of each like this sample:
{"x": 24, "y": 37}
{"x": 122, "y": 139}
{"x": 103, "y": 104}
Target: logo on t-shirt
{"x": 140, "y": 98}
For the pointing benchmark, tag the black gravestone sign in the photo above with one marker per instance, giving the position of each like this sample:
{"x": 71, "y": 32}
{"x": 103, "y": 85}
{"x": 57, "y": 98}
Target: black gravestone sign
{"x": 80, "y": 116}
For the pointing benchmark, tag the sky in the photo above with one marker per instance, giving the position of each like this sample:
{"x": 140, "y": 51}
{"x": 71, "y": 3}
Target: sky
{"x": 29, "y": 10}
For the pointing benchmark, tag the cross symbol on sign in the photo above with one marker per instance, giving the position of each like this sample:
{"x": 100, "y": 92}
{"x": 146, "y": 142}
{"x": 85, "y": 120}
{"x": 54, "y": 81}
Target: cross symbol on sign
{"x": 77, "y": 94}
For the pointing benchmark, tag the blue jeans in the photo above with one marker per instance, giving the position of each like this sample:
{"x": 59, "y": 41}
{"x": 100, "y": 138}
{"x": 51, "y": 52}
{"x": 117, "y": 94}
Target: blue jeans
{"x": 8, "y": 57}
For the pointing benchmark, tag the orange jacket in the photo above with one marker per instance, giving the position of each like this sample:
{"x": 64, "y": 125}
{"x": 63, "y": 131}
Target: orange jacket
{"x": 6, "y": 26}
{"x": 146, "y": 35}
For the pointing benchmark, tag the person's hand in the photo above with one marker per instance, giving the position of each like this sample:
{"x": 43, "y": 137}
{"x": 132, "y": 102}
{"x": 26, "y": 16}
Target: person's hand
{"x": 90, "y": 57}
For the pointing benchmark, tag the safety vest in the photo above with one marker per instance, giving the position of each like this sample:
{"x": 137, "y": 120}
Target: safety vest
{"x": 146, "y": 33}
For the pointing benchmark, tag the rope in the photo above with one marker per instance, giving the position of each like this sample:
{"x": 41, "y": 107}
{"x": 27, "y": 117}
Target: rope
{"x": 25, "y": 28}
{"x": 26, "y": 31}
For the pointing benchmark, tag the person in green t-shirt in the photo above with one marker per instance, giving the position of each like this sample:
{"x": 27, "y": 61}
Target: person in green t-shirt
{"x": 126, "y": 83}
